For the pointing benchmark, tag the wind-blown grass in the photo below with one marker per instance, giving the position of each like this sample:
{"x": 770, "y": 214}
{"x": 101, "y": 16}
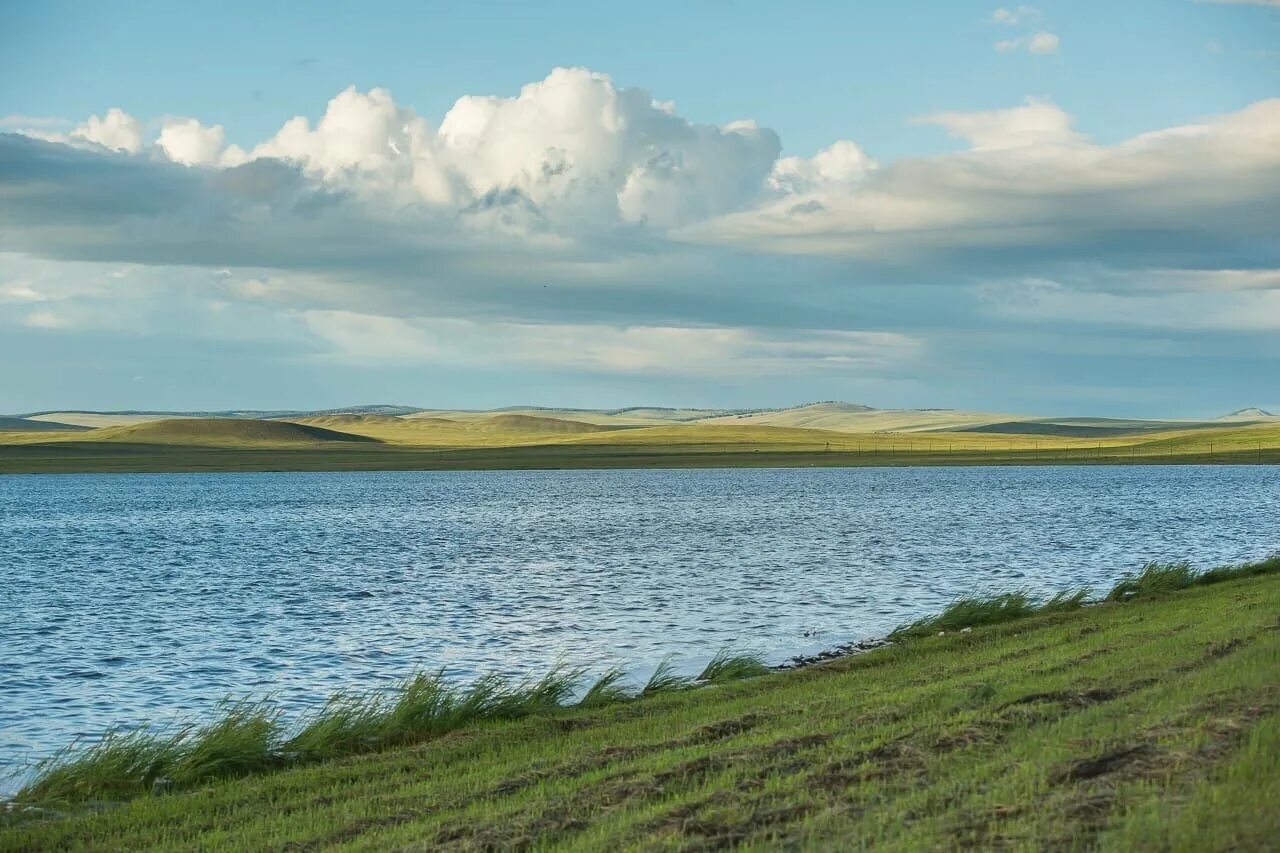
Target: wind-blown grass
{"x": 608, "y": 689}
{"x": 121, "y": 765}
{"x": 665, "y": 680}
{"x": 1154, "y": 579}
{"x": 726, "y": 666}
{"x": 1271, "y": 565}
{"x": 250, "y": 737}
{"x": 1157, "y": 578}
{"x": 971, "y": 612}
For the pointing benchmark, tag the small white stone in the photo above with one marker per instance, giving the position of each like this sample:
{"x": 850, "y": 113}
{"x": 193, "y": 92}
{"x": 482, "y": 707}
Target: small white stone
{"x": 965, "y": 630}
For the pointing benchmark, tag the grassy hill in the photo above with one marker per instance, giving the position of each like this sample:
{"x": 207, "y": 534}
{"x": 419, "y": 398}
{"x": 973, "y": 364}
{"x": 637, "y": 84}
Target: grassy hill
{"x": 221, "y": 431}
{"x": 389, "y": 442}
{"x": 537, "y": 425}
{"x": 850, "y": 417}
{"x": 1150, "y": 724}
{"x": 28, "y": 425}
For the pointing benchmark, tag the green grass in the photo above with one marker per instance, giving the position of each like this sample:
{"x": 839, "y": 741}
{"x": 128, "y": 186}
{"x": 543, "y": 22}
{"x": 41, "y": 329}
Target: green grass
{"x": 1149, "y": 723}
{"x": 250, "y": 737}
{"x": 1158, "y": 578}
{"x": 973, "y": 611}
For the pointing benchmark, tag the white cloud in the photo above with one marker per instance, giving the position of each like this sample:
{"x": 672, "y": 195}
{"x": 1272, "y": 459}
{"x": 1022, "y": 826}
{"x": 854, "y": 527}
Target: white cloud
{"x": 529, "y": 208}
{"x": 117, "y": 130}
{"x": 1054, "y": 301}
{"x": 1039, "y": 44}
{"x": 187, "y": 141}
{"x": 1012, "y": 16}
{"x": 570, "y": 146}
{"x": 1035, "y": 123}
{"x": 1042, "y": 43}
{"x": 1034, "y": 187}
{"x": 842, "y": 164}
{"x": 46, "y": 320}
{"x": 358, "y": 338}
{"x": 1271, "y": 3}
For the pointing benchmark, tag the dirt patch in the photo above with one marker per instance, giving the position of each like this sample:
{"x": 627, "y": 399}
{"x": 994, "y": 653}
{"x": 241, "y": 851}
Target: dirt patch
{"x": 1080, "y": 698}
{"x": 1100, "y": 765}
{"x": 725, "y": 729}
{"x": 351, "y": 831}
{"x": 1221, "y": 650}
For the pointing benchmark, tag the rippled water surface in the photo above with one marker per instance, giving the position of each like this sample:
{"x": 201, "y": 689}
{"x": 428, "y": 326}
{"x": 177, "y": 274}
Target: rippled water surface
{"x": 150, "y": 597}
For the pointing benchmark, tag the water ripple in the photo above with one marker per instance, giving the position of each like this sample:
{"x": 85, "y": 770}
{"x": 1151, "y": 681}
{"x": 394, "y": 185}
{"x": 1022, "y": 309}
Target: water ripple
{"x": 150, "y": 597}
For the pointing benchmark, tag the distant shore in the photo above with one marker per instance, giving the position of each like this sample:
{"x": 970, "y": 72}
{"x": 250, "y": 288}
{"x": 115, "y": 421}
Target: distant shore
{"x": 72, "y": 457}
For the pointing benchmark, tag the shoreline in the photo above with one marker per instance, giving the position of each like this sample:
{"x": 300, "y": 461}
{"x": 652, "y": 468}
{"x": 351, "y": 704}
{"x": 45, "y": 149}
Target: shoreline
{"x": 491, "y": 698}
{"x": 1162, "y": 701}
{"x": 161, "y": 459}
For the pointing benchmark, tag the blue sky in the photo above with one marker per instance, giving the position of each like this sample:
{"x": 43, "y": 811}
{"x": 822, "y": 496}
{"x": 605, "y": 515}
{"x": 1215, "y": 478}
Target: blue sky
{"x": 982, "y": 231}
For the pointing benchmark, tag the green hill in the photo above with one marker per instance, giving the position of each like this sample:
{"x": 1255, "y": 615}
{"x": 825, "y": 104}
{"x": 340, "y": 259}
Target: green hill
{"x": 222, "y": 431}
{"x": 25, "y": 425}
{"x": 534, "y": 424}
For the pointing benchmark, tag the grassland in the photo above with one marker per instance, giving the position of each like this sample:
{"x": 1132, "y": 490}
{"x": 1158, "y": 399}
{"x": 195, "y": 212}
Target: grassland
{"x": 1148, "y": 722}
{"x": 519, "y": 441}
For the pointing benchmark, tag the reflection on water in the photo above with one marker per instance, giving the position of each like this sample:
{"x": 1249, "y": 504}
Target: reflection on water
{"x": 150, "y": 597}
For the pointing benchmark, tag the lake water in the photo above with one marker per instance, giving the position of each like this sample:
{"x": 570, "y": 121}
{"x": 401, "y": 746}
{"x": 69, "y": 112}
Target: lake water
{"x": 149, "y": 597}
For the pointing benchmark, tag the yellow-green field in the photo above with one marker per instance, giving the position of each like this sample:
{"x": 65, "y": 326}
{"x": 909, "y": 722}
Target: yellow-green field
{"x": 1150, "y": 723}
{"x": 509, "y": 440}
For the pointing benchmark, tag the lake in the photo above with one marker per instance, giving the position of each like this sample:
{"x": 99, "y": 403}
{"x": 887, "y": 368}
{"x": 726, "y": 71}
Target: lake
{"x": 149, "y": 597}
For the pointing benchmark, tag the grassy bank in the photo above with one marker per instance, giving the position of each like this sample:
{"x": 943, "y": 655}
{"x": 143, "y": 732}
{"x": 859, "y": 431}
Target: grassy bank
{"x": 1152, "y": 720}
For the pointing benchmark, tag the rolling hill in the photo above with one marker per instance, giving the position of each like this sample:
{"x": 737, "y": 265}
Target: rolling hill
{"x": 28, "y": 425}
{"x": 856, "y": 418}
{"x": 222, "y": 432}
{"x": 536, "y": 425}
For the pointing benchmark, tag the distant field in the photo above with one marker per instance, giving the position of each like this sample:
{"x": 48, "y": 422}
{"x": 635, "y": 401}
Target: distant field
{"x": 518, "y": 440}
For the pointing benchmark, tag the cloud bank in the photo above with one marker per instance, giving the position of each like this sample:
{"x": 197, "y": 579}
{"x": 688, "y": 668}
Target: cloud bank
{"x": 592, "y": 226}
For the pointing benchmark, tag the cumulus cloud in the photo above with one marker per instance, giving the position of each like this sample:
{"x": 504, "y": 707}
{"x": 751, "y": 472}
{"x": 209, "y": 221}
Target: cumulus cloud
{"x": 117, "y": 130}
{"x": 187, "y": 141}
{"x": 570, "y": 147}
{"x": 841, "y": 164}
{"x": 1035, "y": 123}
{"x": 581, "y": 204}
{"x": 1032, "y": 191}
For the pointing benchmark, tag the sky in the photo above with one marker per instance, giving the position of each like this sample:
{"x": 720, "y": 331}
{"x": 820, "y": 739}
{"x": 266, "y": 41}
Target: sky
{"x": 1066, "y": 208}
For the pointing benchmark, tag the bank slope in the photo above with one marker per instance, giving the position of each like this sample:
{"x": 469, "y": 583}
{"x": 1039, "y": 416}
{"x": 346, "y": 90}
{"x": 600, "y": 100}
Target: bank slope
{"x": 1152, "y": 724}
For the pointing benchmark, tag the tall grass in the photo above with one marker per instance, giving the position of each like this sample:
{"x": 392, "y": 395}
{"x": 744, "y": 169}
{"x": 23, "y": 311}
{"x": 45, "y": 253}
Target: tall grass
{"x": 1153, "y": 579}
{"x": 972, "y": 612}
{"x": 1158, "y": 578}
{"x": 727, "y": 666}
{"x": 608, "y": 689}
{"x": 250, "y": 737}
{"x": 665, "y": 680}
